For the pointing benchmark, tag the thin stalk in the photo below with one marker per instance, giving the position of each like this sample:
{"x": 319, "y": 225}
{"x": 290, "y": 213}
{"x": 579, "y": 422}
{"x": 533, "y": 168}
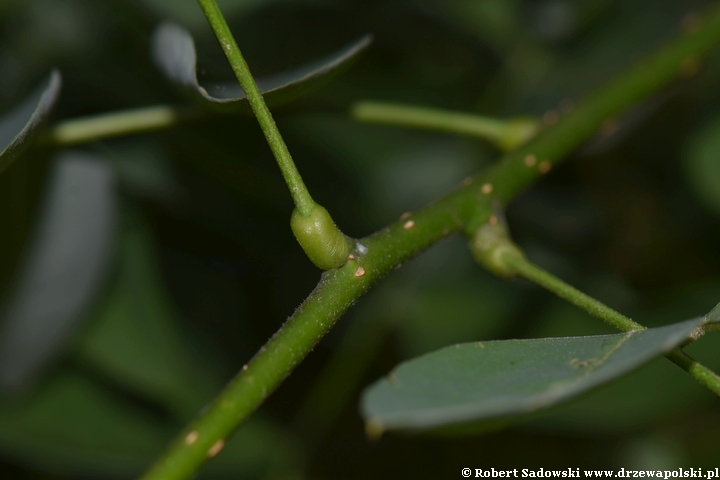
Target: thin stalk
{"x": 116, "y": 124}
{"x": 506, "y": 134}
{"x": 464, "y": 210}
{"x": 300, "y": 194}
{"x": 429, "y": 118}
{"x": 537, "y": 275}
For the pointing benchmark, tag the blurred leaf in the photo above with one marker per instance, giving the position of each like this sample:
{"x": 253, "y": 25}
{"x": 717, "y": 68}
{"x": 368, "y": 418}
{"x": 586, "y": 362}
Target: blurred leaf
{"x": 702, "y": 164}
{"x": 174, "y": 52}
{"x": 136, "y": 336}
{"x": 143, "y": 170}
{"x": 187, "y": 12}
{"x": 486, "y": 380}
{"x": 64, "y": 268}
{"x": 415, "y": 313}
{"x": 18, "y": 127}
{"x": 73, "y": 427}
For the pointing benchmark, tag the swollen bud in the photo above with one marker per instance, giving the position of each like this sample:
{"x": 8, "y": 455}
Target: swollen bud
{"x": 324, "y": 244}
{"x": 491, "y": 245}
{"x": 518, "y": 131}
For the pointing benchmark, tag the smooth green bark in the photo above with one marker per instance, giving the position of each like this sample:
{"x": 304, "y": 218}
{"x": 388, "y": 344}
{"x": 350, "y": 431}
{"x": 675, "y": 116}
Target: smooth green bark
{"x": 464, "y": 210}
{"x": 300, "y": 194}
{"x": 507, "y": 135}
{"x": 537, "y": 275}
{"x": 116, "y": 124}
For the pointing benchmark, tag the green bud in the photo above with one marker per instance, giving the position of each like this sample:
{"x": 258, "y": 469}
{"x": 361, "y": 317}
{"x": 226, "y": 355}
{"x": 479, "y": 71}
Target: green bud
{"x": 517, "y": 133}
{"x": 491, "y": 244}
{"x": 324, "y": 244}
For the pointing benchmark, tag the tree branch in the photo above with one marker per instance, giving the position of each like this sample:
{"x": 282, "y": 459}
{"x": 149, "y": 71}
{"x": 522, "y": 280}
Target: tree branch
{"x": 463, "y": 210}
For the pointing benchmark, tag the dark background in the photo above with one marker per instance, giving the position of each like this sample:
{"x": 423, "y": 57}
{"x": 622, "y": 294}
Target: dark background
{"x": 205, "y": 267}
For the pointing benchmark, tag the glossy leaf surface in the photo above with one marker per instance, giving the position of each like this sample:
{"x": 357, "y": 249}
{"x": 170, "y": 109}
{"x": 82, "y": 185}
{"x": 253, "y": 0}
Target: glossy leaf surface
{"x": 173, "y": 50}
{"x": 482, "y": 380}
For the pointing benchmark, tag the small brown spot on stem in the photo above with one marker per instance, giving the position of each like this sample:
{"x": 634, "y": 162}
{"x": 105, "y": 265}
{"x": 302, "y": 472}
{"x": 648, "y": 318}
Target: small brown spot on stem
{"x": 544, "y": 166}
{"x": 550, "y": 117}
{"x": 408, "y": 225}
{"x": 487, "y": 188}
{"x": 405, "y": 216}
{"x": 492, "y": 220}
{"x": 467, "y": 181}
{"x": 359, "y": 272}
{"x": 530, "y": 160}
{"x": 216, "y": 448}
{"x": 191, "y": 437}
{"x": 392, "y": 378}
{"x": 351, "y": 257}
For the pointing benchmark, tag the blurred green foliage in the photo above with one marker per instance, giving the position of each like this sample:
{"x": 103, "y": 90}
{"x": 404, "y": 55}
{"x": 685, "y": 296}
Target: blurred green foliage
{"x": 205, "y": 266}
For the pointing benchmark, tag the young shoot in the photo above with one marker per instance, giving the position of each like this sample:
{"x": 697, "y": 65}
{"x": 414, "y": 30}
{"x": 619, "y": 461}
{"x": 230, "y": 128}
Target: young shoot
{"x": 506, "y": 135}
{"x": 325, "y": 245}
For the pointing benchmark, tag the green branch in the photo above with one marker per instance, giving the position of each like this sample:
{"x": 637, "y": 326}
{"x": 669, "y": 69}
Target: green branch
{"x": 507, "y": 135}
{"x": 464, "y": 210}
{"x": 323, "y": 242}
{"x": 537, "y": 275}
{"x": 300, "y": 194}
{"x": 116, "y": 124}
{"x": 493, "y": 248}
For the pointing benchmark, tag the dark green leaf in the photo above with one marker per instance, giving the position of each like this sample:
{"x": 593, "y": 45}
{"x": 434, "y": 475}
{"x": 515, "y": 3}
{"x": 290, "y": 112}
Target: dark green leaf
{"x": 64, "y": 268}
{"x": 17, "y": 127}
{"x": 174, "y": 52}
{"x": 702, "y": 165}
{"x": 136, "y": 336}
{"x": 482, "y": 380}
{"x": 73, "y": 427}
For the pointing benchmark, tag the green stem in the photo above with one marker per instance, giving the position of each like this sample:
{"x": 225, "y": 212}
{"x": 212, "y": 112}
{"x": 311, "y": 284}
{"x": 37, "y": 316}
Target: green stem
{"x": 697, "y": 370}
{"x": 537, "y": 275}
{"x": 300, "y": 194}
{"x": 428, "y": 118}
{"x": 463, "y": 210}
{"x": 115, "y": 124}
{"x": 507, "y": 134}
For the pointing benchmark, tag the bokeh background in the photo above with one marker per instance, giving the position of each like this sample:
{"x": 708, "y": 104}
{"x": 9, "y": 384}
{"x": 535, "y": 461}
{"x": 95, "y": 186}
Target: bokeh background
{"x": 195, "y": 264}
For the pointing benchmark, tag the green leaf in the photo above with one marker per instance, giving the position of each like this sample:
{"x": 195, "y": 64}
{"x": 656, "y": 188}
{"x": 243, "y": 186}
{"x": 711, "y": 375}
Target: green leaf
{"x": 19, "y": 126}
{"x": 484, "y": 380}
{"x": 173, "y": 49}
{"x": 63, "y": 271}
{"x": 73, "y": 427}
{"x": 702, "y": 165}
{"x": 136, "y": 337}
